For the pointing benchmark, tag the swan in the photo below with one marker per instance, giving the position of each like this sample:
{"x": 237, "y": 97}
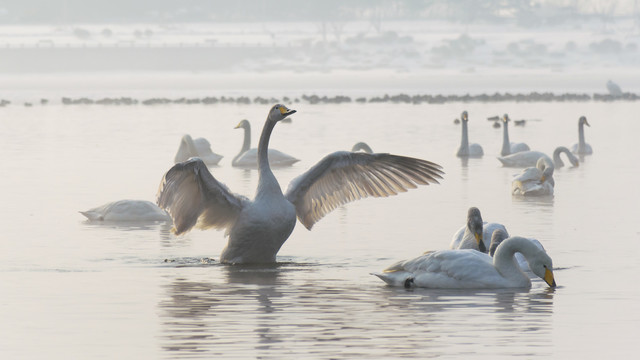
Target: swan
{"x": 614, "y": 89}
{"x": 535, "y": 181}
{"x": 530, "y": 157}
{"x": 248, "y": 158}
{"x": 582, "y": 148}
{"x": 199, "y": 147}
{"x": 474, "y": 229}
{"x": 256, "y": 229}
{"x": 499, "y": 236}
{"x": 127, "y": 210}
{"x": 466, "y": 149}
{"x": 362, "y": 146}
{"x": 509, "y": 147}
{"x": 470, "y": 269}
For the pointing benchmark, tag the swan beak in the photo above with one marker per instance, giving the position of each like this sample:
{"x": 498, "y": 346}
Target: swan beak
{"x": 237, "y": 126}
{"x": 586, "y": 123}
{"x": 480, "y": 243}
{"x": 548, "y": 278}
{"x": 542, "y": 178}
{"x": 286, "y": 111}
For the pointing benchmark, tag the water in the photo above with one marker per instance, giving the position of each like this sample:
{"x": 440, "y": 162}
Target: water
{"x": 71, "y": 289}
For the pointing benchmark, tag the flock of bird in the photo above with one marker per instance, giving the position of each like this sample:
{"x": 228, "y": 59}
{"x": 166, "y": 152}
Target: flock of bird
{"x": 481, "y": 255}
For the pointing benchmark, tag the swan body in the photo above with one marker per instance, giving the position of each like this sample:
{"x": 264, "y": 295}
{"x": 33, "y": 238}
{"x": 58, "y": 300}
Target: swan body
{"x": 530, "y": 157}
{"x": 507, "y": 146}
{"x": 582, "y": 148}
{"x": 248, "y": 158}
{"x": 256, "y": 229}
{"x": 535, "y": 181}
{"x": 127, "y": 210}
{"x": 361, "y": 146}
{"x": 466, "y": 149}
{"x": 199, "y": 147}
{"x": 614, "y": 89}
{"x": 470, "y": 269}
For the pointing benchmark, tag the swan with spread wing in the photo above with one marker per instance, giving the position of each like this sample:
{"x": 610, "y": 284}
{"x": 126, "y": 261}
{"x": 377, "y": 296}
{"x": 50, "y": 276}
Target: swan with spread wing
{"x": 256, "y": 229}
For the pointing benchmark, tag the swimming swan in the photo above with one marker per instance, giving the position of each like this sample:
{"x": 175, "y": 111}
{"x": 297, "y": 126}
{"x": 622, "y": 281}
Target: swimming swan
{"x": 465, "y": 237}
{"x": 535, "y": 181}
{"x": 257, "y": 228}
{"x": 127, "y": 210}
{"x": 529, "y": 158}
{"x": 466, "y": 149}
{"x": 509, "y": 147}
{"x": 470, "y": 269}
{"x": 199, "y": 147}
{"x": 248, "y": 158}
{"x": 582, "y": 148}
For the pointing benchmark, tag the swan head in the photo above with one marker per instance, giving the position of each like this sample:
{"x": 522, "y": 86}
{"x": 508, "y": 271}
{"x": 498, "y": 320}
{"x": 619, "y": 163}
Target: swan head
{"x": 497, "y": 237}
{"x": 583, "y": 120}
{"x": 474, "y": 224}
{"x": 464, "y": 116}
{"x": 542, "y": 265}
{"x": 505, "y": 118}
{"x": 279, "y": 112}
{"x": 244, "y": 124}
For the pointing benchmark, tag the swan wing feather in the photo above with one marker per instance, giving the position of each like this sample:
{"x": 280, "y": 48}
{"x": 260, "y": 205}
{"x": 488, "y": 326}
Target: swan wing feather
{"x": 342, "y": 177}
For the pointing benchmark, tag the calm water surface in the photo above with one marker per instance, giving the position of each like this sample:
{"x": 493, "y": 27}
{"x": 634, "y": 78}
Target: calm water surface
{"x": 72, "y": 289}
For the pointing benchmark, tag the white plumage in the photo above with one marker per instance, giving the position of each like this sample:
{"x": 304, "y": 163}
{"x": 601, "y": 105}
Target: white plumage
{"x": 127, "y": 210}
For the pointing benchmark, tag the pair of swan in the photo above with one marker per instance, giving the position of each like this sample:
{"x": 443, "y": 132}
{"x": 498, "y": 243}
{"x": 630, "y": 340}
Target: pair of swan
{"x": 256, "y": 229}
{"x": 467, "y": 150}
{"x": 127, "y": 211}
{"x": 530, "y": 158}
{"x": 535, "y": 181}
{"x": 467, "y": 268}
{"x": 582, "y": 148}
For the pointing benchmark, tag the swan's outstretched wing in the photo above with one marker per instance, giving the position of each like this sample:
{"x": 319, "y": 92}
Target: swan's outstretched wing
{"x": 192, "y": 195}
{"x": 343, "y": 176}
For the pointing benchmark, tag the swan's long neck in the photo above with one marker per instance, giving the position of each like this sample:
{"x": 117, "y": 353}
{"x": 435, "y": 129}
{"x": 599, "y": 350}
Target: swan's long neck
{"x": 557, "y": 161}
{"x": 506, "y": 145}
{"x": 464, "y": 143}
{"x": 505, "y": 262}
{"x": 267, "y": 182}
{"x": 581, "y": 141}
{"x": 246, "y": 144}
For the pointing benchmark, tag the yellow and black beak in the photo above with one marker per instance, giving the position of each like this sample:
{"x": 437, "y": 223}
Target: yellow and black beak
{"x": 481, "y": 246}
{"x": 548, "y": 277}
{"x": 285, "y": 111}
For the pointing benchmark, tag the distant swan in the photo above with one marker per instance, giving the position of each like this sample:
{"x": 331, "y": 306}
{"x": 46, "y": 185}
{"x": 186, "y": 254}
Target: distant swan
{"x": 582, "y": 148}
{"x": 529, "y": 158}
{"x": 362, "y": 146}
{"x": 248, "y": 158}
{"x": 467, "y": 236}
{"x": 466, "y": 149}
{"x": 509, "y": 147}
{"x": 535, "y": 181}
{"x": 127, "y": 210}
{"x": 470, "y": 269}
{"x": 199, "y": 147}
{"x": 257, "y": 228}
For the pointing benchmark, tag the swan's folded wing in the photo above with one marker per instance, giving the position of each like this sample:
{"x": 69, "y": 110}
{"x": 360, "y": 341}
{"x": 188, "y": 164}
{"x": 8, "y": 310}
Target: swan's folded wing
{"x": 343, "y": 176}
{"x": 193, "y": 196}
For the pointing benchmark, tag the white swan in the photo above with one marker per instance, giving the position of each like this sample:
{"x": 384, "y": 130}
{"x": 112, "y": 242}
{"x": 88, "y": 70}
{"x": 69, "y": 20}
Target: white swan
{"x": 535, "y": 181}
{"x": 127, "y": 210}
{"x": 257, "y": 228}
{"x": 466, "y": 149}
{"x": 530, "y": 157}
{"x": 199, "y": 147}
{"x": 509, "y": 147}
{"x": 248, "y": 158}
{"x": 362, "y": 146}
{"x": 582, "y": 148}
{"x": 470, "y": 269}
{"x": 474, "y": 229}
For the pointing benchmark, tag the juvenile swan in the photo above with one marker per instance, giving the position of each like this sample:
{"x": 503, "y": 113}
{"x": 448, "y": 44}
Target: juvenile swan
{"x": 466, "y": 149}
{"x": 470, "y": 269}
{"x": 509, "y": 147}
{"x": 529, "y": 158}
{"x": 582, "y": 148}
{"x": 199, "y": 147}
{"x": 248, "y": 158}
{"x": 257, "y": 228}
{"x": 127, "y": 210}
